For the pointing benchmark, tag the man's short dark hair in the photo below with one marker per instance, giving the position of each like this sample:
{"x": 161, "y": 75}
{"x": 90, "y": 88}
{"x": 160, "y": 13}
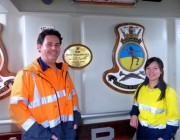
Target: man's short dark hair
{"x": 46, "y": 32}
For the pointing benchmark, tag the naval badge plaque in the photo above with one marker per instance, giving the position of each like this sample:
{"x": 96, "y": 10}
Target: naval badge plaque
{"x": 129, "y": 56}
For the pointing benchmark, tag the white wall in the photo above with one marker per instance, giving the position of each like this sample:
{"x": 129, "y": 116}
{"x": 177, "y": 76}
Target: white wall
{"x": 177, "y": 60}
{"x": 96, "y": 32}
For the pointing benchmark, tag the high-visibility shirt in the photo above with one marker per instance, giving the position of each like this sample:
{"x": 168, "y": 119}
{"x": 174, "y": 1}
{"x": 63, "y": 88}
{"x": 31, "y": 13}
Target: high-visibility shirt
{"x": 39, "y": 95}
{"x": 154, "y": 113}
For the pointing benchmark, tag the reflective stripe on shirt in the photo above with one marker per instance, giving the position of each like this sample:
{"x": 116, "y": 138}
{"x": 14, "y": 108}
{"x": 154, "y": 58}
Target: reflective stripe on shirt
{"x": 76, "y": 108}
{"x": 152, "y": 109}
{"x": 144, "y": 123}
{"x": 155, "y": 111}
{"x": 28, "y": 123}
{"x": 45, "y": 100}
{"x": 16, "y": 99}
{"x": 173, "y": 122}
{"x": 55, "y": 122}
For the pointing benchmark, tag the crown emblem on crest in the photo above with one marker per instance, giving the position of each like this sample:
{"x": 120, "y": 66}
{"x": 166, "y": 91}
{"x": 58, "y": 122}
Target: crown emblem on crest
{"x": 131, "y": 34}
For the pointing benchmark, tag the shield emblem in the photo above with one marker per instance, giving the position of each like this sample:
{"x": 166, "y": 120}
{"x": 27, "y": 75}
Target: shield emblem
{"x": 6, "y": 77}
{"x": 129, "y": 57}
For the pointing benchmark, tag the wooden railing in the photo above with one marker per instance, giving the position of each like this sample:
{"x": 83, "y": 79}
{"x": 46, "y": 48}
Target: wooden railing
{"x": 115, "y": 130}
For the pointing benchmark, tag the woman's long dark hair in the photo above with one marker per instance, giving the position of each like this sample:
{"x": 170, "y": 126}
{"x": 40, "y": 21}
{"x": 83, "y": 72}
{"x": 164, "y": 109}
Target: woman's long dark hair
{"x": 162, "y": 83}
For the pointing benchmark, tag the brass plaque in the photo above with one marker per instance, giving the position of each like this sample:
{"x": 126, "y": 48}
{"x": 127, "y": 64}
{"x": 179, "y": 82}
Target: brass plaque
{"x": 77, "y": 55}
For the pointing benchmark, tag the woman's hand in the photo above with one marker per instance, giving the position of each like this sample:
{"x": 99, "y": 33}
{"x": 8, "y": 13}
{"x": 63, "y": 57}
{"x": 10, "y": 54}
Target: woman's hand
{"x": 134, "y": 121}
{"x": 160, "y": 138}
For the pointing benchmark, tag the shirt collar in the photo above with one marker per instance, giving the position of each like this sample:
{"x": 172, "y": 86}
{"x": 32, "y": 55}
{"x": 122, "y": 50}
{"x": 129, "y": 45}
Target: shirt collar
{"x": 44, "y": 66}
{"x": 146, "y": 81}
{"x": 158, "y": 85}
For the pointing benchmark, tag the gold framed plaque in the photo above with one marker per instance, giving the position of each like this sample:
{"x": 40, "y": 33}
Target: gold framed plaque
{"x": 77, "y": 55}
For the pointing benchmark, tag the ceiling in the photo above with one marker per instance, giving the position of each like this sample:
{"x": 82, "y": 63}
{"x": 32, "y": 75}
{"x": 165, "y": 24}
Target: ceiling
{"x": 165, "y": 8}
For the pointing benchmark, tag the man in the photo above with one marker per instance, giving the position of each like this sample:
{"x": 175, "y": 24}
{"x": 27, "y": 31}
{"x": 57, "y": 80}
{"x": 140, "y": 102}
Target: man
{"x": 43, "y": 102}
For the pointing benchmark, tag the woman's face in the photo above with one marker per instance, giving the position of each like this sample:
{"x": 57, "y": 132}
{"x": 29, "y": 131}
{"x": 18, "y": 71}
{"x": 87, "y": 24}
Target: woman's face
{"x": 153, "y": 72}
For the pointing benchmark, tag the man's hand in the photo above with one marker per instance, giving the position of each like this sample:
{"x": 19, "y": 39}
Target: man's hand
{"x": 75, "y": 126}
{"x": 54, "y": 137}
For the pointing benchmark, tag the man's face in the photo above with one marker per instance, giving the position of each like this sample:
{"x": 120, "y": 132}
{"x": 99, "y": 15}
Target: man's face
{"x": 50, "y": 49}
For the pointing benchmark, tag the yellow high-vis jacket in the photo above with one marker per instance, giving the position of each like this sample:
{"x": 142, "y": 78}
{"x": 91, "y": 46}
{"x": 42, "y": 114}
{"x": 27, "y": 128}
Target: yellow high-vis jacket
{"x": 157, "y": 114}
{"x": 39, "y": 95}
{"x": 154, "y": 113}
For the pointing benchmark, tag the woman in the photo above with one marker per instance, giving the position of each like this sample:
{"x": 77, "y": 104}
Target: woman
{"x": 155, "y": 110}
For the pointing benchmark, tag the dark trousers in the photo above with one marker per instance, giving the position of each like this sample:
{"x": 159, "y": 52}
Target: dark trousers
{"x": 66, "y": 131}
{"x": 145, "y": 133}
